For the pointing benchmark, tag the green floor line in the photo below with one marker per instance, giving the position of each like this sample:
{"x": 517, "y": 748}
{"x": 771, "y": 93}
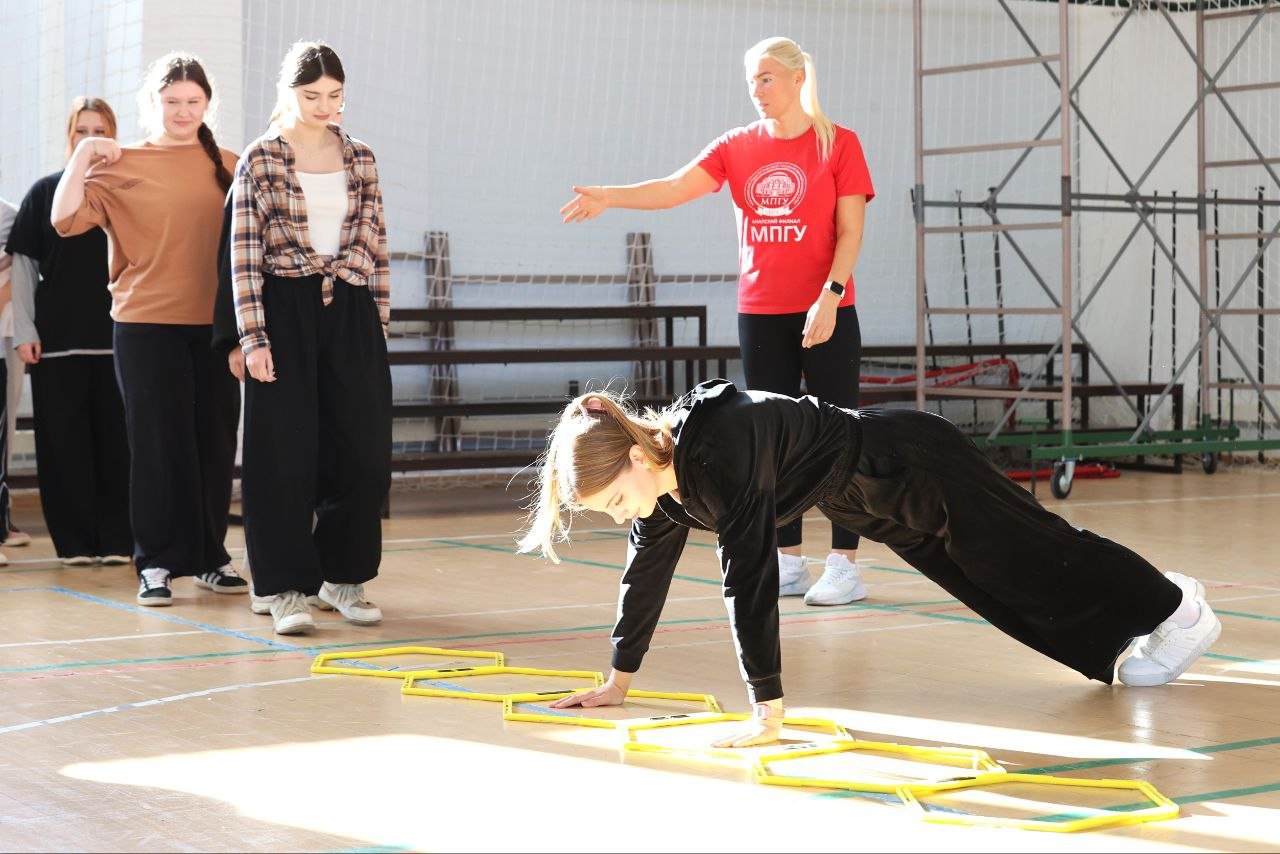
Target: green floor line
{"x": 1103, "y": 763}
{"x": 1185, "y": 799}
{"x": 1246, "y": 616}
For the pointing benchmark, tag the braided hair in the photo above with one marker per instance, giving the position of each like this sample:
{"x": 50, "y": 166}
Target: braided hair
{"x": 172, "y": 68}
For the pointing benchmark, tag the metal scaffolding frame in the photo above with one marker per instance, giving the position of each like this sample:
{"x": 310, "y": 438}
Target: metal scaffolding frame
{"x": 1061, "y": 445}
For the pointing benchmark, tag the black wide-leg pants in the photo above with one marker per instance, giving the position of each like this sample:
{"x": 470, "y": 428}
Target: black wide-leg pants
{"x": 181, "y": 407}
{"x": 317, "y": 441}
{"x": 82, "y": 455}
{"x": 925, "y": 490}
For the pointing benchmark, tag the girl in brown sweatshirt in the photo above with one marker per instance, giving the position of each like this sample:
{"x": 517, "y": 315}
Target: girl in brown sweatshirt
{"x": 160, "y": 203}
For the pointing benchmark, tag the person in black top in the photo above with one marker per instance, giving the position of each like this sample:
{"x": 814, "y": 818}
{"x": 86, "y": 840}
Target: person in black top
{"x": 62, "y": 331}
{"x": 742, "y": 463}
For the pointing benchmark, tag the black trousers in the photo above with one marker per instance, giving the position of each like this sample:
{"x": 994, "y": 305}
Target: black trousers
{"x": 317, "y": 441}
{"x": 925, "y": 490}
{"x": 82, "y": 455}
{"x": 5, "y": 439}
{"x": 181, "y": 407}
{"x": 773, "y": 360}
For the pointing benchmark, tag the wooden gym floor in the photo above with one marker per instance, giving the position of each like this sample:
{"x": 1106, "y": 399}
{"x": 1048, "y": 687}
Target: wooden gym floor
{"x": 195, "y": 728}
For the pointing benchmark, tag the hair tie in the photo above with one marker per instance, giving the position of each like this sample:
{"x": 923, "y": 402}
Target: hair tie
{"x": 592, "y": 406}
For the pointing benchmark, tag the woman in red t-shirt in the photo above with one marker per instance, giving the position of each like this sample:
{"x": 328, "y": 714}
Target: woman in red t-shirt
{"x": 800, "y": 187}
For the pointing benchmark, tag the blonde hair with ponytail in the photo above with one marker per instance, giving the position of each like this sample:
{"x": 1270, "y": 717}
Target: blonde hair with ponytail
{"x": 586, "y": 451}
{"x": 787, "y": 53}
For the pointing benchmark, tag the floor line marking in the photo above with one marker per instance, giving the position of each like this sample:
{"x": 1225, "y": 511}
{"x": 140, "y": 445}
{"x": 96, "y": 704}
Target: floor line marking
{"x": 153, "y": 702}
{"x": 151, "y": 612}
{"x": 101, "y": 639}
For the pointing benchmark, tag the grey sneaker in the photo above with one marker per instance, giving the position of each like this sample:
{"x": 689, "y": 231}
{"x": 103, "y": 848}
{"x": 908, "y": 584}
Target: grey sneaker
{"x": 260, "y": 604}
{"x": 291, "y": 613}
{"x": 348, "y": 600}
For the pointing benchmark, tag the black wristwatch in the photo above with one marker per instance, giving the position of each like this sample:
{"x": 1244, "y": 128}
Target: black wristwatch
{"x": 835, "y": 287}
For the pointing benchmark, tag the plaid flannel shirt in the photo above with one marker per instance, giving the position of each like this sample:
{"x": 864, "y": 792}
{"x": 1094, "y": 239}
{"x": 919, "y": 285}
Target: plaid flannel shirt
{"x": 270, "y": 235}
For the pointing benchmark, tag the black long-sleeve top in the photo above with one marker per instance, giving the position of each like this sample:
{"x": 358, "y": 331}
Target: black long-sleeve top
{"x": 745, "y": 463}
{"x": 225, "y": 334}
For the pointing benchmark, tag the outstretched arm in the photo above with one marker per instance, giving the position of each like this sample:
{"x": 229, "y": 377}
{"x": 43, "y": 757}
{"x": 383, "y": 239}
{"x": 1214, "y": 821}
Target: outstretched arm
{"x": 689, "y": 183}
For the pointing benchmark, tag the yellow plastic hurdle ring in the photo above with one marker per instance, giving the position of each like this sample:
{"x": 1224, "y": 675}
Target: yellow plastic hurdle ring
{"x": 697, "y": 719}
{"x": 408, "y": 686}
{"x": 1162, "y": 808}
{"x": 321, "y": 662}
{"x": 979, "y": 762}
{"x": 510, "y": 714}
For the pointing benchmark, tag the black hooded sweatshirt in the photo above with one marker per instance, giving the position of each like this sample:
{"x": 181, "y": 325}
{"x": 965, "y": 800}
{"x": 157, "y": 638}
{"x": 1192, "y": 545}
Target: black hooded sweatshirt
{"x": 746, "y": 462}
{"x": 806, "y": 452}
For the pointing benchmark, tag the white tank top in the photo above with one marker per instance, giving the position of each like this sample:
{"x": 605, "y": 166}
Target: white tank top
{"x": 326, "y": 195}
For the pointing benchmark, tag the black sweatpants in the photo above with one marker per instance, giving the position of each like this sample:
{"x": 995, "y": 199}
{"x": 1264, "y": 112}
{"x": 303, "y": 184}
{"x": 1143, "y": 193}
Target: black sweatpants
{"x": 82, "y": 455}
{"x": 181, "y": 407}
{"x": 925, "y": 490}
{"x": 773, "y": 360}
{"x": 5, "y": 439}
{"x": 317, "y": 441}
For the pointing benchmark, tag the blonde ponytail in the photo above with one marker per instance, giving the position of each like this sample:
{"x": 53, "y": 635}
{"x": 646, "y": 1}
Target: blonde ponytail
{"x": 586, "y": 451}
{"x": 822, "y": 125}
{"x": 790, "y": 56}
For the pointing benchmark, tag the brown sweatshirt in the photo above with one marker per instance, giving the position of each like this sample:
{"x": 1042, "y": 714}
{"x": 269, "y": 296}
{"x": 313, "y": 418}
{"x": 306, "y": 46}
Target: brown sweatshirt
{"x": 161, "y": 207}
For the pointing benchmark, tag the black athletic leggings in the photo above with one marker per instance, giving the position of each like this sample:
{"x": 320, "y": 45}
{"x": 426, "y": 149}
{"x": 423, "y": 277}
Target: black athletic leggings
{"x": 773, "y": 360}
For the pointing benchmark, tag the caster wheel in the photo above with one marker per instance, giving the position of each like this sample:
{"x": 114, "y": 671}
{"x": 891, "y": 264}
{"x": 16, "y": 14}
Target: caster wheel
{"x": 1060, "y": 481}
{"x": 1209, "y": 462}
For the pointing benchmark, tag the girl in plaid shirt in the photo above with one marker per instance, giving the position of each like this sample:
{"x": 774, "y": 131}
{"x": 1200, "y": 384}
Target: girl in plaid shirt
{"x": 312, "y": 298}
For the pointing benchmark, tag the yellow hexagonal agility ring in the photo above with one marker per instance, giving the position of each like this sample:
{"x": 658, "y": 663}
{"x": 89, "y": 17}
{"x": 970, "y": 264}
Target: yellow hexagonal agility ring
{"x": 887, "y": 766}
{"x": 1066, "y": 819}
{"x": 824, "y": 727}
{"x": 411, "y": 679}
{"x": 509, "y": 713}
{"x": 321, "y": 663}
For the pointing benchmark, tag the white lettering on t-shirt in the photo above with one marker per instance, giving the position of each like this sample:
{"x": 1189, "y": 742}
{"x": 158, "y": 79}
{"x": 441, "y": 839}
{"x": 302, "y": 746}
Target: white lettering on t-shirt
{"x": 778, "y": 233}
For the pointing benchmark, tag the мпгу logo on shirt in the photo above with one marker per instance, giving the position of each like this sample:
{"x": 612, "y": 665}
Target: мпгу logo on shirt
{"x": 776, "y": 189}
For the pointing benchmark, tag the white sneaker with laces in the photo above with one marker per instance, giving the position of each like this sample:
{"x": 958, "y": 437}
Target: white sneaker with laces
{"x": 1167, "y": 652}
{"x": 348, "y": 600}
{"x": 840, "y": 584}
{"x": 260, "y": 604}
{"x": 291, "y": 614}
{"x": 793, "y": 575}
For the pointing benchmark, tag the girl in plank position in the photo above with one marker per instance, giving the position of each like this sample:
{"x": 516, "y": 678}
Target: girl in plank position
{"x": 740, "y": 463}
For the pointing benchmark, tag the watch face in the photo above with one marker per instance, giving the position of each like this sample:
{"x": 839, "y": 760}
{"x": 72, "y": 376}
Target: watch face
{"x": 836, "y": 288}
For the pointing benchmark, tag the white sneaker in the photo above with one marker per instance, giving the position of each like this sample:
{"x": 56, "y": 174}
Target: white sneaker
{"x": 793, "y": 575}
{"x": 260, "y": 604}
{"x": 348, "y": 600}
{"x": 1166, "y": 653}
{"x": 291, "y": 613}
{"x": 840, "y": 584}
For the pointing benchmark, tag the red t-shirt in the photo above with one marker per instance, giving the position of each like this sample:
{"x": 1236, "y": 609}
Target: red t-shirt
{"x": 784, "y": 196}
